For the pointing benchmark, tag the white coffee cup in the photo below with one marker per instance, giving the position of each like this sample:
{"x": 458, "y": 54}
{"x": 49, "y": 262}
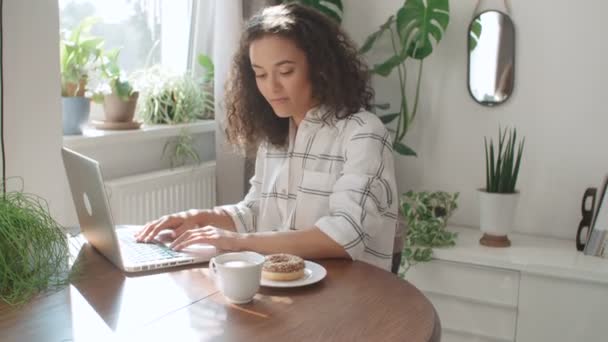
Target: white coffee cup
{"x": 237, "y": 275}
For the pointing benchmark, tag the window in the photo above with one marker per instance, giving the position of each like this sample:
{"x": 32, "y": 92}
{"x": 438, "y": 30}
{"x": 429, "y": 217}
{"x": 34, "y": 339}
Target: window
{"x": 147, "y": 31}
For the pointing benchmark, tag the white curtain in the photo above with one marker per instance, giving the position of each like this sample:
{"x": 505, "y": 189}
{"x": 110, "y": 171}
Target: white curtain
{"x": 217, "y": 33}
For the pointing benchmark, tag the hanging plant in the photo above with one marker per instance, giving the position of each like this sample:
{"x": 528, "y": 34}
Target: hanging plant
{"x": 181, "y": 150}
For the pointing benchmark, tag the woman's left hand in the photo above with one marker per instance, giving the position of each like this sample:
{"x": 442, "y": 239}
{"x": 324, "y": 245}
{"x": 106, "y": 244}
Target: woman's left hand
{"x": 220, "y": 238}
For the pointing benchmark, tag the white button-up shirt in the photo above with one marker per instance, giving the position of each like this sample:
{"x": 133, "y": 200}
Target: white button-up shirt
{"x": 337, "y": 175}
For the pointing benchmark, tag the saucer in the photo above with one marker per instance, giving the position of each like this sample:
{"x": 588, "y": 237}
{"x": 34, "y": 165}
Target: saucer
{"x": 313, "y": 273}
{"x": 100, "y": 124}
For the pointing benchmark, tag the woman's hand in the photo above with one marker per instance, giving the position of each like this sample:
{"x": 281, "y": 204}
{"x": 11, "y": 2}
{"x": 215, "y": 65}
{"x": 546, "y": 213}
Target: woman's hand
{"x": 178, "y": 223}
{"x": 220, "y": 238}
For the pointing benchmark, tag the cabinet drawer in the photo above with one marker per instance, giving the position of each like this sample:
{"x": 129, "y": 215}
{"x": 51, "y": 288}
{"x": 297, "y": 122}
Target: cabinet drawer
{"x": 485, "y": 284}
{"x": 449, "y": 335}
{"x": 482, "y": 321}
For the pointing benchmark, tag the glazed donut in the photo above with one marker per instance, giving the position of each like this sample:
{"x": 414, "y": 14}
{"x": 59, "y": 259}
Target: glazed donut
{"x": 283, "y": 267}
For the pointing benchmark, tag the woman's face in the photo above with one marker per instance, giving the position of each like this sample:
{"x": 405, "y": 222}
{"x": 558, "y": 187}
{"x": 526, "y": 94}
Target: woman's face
{"x": 281, "y": 73}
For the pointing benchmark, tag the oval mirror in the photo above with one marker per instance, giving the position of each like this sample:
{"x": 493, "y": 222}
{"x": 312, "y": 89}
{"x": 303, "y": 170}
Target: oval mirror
{"x": 491, "y": 50}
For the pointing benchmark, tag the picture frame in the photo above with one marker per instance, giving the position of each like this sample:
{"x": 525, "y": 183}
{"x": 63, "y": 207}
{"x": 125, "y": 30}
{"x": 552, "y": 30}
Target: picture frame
{"x": 599, "y": 225}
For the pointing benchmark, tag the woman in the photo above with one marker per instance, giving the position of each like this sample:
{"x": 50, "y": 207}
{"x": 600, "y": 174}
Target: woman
{"x": 324, "y": 183}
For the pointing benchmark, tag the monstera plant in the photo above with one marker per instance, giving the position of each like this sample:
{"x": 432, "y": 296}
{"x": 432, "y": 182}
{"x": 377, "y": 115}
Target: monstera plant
{"x": 474, "y": 33}
{"x": 331, "y": 8}
{"x": 414, "y": 31}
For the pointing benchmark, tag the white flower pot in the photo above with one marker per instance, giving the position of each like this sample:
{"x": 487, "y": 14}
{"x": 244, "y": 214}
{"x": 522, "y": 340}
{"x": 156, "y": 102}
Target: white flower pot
{"x": 496, "y": 215}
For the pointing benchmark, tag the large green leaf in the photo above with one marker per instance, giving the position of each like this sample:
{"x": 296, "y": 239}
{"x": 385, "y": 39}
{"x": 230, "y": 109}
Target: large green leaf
{"x": 385, "y": 68}
{"x": 331, "y": 8}
{"x": 205, "y": 62}
{"x": 403, "y": 149}
{"x": 417, "y": 23}
{"x": 388, "y": 118}
{"x": 370, "y": 41}
{"x": 474, "y": 33}
{"x": 383, "y": 106}
{"x": 372, "y": 38}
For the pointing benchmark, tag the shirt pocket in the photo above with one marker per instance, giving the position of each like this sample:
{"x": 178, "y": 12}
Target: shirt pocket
{"x": 313, "y": 197}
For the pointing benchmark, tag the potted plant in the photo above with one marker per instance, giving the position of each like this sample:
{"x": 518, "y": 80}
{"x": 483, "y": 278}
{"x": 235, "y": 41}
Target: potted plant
{"x": 426, "y": 215}
{"x": 498, "y": 200}
{"x": 78, "y": 54}
{"x": 414, "y": 30}
{"x": 33, "y": 248}
{"x": 112, "y": 89}
{"x": 169, "y": 98}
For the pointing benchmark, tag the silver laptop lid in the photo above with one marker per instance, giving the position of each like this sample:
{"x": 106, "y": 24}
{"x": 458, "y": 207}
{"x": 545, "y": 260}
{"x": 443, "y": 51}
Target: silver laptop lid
{"x": 92, "y": 207}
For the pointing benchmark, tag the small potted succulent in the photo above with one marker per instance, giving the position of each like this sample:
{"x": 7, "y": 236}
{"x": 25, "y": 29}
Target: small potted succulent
{"x": 498, "y": 200}
{"x": 110, "y": 87}
{"x": 79, "y": 52}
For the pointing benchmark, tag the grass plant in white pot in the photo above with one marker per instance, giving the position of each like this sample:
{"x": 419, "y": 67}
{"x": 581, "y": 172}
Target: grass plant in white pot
{"x": 498, "y": 200}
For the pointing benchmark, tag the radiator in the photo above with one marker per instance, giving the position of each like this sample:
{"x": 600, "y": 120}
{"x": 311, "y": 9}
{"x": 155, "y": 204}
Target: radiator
{"x": 141, "y": 198}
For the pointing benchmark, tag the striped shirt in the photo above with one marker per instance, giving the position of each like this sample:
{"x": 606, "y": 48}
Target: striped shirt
{"x": 337, "y": 175}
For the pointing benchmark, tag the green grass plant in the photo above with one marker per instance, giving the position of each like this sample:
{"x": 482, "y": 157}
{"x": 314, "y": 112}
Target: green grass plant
{"x": 33, "y": 248}
{"x": 502, "y": 165}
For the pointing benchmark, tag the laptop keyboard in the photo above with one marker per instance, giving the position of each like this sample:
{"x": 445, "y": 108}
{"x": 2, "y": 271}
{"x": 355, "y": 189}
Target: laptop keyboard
{"x": 142, "y": 252}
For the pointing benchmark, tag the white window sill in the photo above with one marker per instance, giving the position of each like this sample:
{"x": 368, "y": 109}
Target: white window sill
{"x": 94, "y": 137}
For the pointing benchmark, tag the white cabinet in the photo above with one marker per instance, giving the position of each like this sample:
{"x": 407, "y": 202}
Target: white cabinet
{"x": 540, "y": 289}
{"x": 472, "y": 301}
{"x": 562, "y": 310}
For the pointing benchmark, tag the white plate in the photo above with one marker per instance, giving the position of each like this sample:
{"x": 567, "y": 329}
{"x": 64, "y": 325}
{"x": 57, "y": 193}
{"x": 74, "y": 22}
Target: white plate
{"x": 313, "y": 273}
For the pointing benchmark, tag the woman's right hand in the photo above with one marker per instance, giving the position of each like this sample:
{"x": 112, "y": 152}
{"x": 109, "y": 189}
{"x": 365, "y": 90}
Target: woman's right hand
{"x": 177, "y": 223}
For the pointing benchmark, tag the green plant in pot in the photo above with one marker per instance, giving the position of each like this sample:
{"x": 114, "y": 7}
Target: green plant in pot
{"x": 168, "y": 98}
{"x": 426, "y": 215}
{"x": 498, "y": 200}
{"x": 79, "y": 52}
{"x": 413, "y": 33}
{"x": 115, "y": 92}
{"x": 34, "y": 254}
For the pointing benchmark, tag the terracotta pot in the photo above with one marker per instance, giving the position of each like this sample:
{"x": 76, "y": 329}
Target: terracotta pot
{"x": 118, "y": 110}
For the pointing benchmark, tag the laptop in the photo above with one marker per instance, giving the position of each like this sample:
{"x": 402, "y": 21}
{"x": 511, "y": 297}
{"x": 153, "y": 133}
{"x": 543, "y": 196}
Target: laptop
{"x": 117, "y": 243}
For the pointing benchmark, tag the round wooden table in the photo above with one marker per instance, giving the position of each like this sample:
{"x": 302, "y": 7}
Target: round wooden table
{"x": 355, "y": 302}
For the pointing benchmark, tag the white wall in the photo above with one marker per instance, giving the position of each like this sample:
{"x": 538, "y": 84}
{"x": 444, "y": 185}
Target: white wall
{"x": 32, "y": 107}
{"x": 558, "y": 104}
{"x": 227, "y": 28}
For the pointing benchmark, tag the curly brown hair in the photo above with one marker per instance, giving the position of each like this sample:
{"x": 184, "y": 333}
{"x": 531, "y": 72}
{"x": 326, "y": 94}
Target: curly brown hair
{"x": 340, "y": 78}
